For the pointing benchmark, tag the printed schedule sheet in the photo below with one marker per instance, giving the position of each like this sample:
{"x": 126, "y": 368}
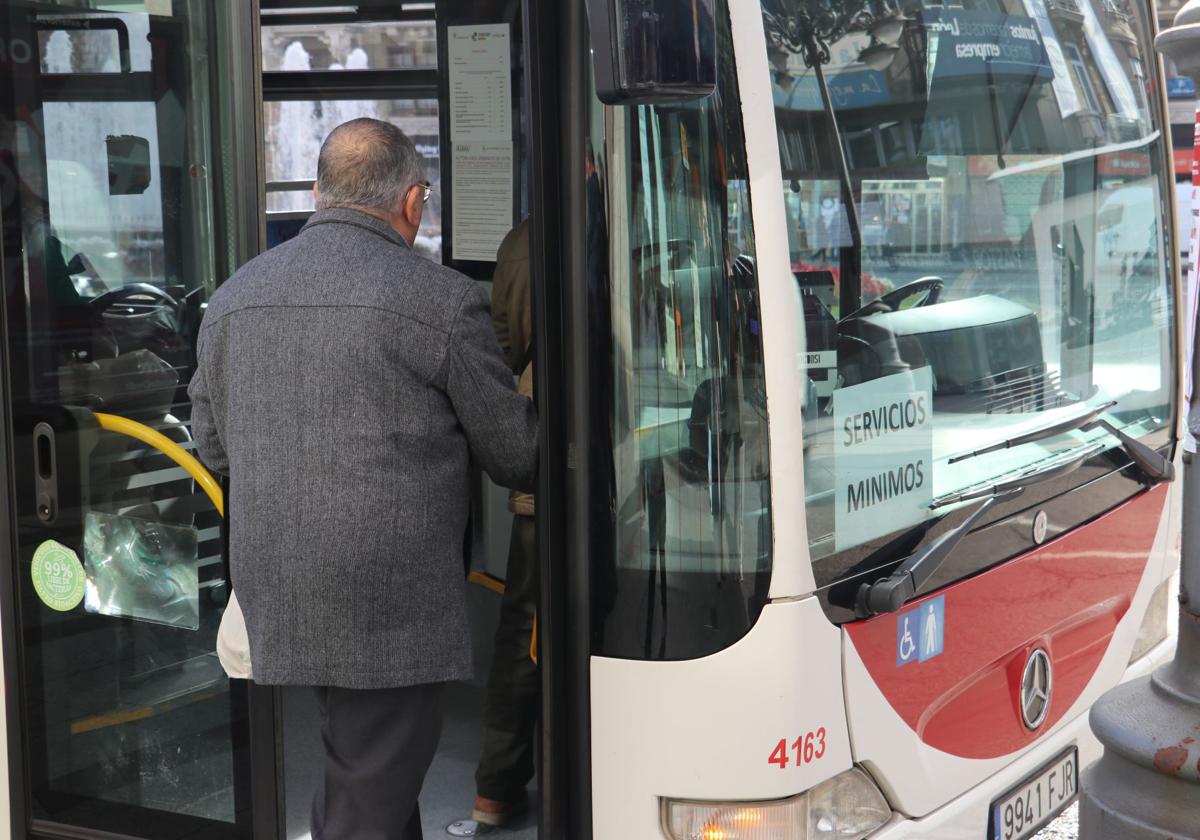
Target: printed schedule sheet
{"x": 481, "y": 138}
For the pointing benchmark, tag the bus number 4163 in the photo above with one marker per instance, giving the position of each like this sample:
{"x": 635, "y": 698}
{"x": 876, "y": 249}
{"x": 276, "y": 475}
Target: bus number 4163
{"x": 806, "y": 749}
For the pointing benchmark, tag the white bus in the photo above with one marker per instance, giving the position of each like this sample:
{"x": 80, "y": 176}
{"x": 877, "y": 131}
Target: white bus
{"x": 859, "y": 364}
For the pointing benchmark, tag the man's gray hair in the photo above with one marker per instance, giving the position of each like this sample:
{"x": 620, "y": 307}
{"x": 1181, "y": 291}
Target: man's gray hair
{"x": 368, "y": 164}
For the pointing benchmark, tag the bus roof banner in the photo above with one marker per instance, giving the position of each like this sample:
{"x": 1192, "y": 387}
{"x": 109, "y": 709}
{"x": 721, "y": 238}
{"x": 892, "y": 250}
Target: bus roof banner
{"x": 966, "y": 44}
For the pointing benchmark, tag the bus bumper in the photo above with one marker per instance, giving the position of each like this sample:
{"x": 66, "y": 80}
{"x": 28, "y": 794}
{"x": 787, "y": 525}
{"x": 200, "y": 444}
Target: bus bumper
{"x": 967, "y": 815}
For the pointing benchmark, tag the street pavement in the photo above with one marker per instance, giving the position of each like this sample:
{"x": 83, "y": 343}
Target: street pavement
{"x": 1065, "y": 827}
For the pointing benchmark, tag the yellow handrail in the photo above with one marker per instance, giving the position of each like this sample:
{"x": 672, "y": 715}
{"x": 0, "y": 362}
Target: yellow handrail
{"x": 486, "y": 581}
{"x": 533, "y": 640}
{"x": 168, "y": 447}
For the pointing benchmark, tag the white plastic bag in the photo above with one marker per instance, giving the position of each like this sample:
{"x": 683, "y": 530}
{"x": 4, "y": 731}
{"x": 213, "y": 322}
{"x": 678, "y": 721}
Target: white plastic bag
{"x": 233, "y": 646}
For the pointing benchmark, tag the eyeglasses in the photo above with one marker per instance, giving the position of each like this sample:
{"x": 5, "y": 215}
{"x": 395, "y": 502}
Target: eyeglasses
{"x": 426, "y": 191}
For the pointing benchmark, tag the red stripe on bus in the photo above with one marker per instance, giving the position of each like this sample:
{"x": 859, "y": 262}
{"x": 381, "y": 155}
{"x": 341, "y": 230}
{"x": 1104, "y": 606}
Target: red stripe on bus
{"x": 1066, "y": 597}
{"x": 1183, "y": 161}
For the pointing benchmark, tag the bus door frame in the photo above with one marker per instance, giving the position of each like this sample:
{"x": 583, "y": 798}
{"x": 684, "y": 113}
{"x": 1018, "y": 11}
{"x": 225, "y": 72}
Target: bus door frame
{"x": 557, "y": 73}
{"x": 238, "y": 232}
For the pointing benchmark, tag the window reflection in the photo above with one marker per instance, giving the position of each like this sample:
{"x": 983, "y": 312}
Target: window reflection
{"x": 687, "y": 568}
{"x": 1004, "y": 166}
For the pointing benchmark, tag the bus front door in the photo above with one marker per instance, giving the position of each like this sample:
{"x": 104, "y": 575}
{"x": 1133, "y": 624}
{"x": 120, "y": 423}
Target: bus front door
{"x": 118, "y": 219}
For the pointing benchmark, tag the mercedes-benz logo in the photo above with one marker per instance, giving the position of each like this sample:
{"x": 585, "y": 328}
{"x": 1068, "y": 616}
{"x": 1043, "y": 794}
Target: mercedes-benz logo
{"x": 1036, "y": 685}
{"x": 1041, "y": 524}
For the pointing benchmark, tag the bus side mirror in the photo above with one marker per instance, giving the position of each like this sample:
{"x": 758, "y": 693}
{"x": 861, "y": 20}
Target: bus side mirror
{"x": 653, "y": 51}
{"x": 128, "y": 164}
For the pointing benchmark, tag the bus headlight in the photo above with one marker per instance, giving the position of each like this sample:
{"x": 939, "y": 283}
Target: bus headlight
{"x": 846, "y": 807}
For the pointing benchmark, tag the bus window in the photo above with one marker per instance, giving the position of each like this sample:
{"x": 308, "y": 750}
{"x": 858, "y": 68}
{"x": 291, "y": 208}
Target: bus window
{"x": 115, "y": 43}
{"x": 304, "y": 51}
{"x": 1004, "y": 270}
{"x": 351, "y": 45}
{"x": 296, "y": 129}
{"x": 686, "y": 544}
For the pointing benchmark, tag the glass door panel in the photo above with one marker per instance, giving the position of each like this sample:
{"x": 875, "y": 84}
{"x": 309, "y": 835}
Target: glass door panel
{"x": 110, "y": 194}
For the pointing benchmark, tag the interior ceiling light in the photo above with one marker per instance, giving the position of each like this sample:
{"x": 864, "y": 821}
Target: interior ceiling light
{"x": 311, "y": 10}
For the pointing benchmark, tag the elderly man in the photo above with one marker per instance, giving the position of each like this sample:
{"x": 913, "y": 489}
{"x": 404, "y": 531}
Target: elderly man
{"x": 344, "y": 384}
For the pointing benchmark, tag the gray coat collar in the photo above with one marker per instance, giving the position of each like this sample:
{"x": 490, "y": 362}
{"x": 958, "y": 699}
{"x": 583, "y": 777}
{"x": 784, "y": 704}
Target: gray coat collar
{"x": 355, "y": 218}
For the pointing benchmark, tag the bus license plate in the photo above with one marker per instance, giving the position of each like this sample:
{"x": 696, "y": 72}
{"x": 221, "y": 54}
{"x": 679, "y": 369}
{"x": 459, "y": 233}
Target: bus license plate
{"x": 1027, "y": 808}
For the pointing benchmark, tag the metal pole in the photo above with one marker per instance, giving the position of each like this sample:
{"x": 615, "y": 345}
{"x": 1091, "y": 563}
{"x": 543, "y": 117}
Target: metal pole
{"x": 1147, "y": 785}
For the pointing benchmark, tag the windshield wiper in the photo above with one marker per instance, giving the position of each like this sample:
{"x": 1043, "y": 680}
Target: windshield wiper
{"x": 1155, "y": 465}
{"x": 1053, "y": 430}
{"x": 1037, "y": 474}
{"x": 891, "y": 593}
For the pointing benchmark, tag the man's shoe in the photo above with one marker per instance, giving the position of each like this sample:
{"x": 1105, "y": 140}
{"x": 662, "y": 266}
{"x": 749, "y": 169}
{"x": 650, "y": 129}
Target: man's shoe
{"x": 495, "y": 813}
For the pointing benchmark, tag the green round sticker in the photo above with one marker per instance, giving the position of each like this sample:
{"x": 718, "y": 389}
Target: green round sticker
{"x": 57, "y": 576}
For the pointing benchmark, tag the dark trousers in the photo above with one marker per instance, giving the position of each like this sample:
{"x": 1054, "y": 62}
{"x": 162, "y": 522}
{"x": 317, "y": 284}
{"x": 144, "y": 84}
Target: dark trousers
{"x": 378, "y": 746}
{"x": 511, "y": 705}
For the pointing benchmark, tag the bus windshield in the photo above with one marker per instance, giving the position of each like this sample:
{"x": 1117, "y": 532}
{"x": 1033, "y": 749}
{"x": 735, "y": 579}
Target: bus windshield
{"x": 981, "y": 256}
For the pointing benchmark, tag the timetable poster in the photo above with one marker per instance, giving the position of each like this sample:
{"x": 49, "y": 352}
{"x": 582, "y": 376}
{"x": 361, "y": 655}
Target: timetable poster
{"x": 481, "y": 139}
{"x": 482, "y": 198}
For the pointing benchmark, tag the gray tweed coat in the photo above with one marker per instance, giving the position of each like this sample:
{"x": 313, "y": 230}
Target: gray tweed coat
{"x": 344, "y": 384}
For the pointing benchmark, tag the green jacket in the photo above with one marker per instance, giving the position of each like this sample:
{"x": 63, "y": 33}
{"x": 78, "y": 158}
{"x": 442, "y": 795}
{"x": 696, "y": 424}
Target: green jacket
{"x": 513, "y": 322}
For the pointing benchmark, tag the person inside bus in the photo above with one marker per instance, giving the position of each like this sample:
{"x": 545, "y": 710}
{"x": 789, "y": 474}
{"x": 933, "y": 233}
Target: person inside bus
{"x": 506, "y": 764}
{"x": 344, "y": 384}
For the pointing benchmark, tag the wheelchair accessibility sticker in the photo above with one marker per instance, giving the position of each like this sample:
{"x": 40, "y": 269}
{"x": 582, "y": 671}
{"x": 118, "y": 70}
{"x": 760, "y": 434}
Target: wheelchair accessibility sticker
{"x": 921, "y": 633}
